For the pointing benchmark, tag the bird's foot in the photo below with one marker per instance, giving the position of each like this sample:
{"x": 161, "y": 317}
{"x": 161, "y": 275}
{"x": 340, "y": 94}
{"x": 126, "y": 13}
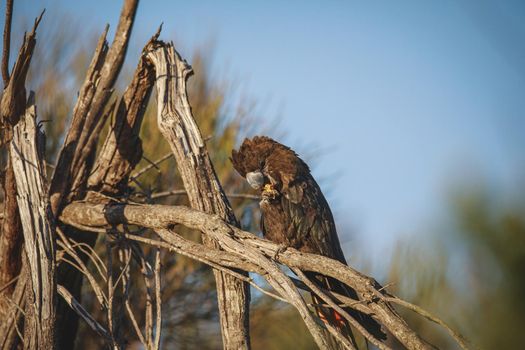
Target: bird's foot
{"x": 280, "y": 249}
{"x": 269, "y": 192}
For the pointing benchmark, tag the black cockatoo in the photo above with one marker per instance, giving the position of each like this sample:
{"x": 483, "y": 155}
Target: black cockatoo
{"x": 296, "y": 214}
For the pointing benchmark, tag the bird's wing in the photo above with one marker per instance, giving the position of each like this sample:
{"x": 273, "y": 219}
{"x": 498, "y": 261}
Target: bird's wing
{"x": 311, "y": 223}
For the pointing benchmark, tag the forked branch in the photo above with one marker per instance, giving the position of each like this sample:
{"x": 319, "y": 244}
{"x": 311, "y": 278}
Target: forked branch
{"x": 246, "y": 251}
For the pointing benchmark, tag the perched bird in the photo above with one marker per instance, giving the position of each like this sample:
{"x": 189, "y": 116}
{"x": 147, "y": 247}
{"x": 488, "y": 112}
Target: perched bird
{"x": 296, "y": 214}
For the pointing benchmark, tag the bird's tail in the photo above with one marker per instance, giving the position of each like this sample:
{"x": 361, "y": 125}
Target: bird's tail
{"x": 334, "y": 318}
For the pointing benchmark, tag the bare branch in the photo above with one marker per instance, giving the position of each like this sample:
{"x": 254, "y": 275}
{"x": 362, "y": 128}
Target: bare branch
{"x": 122, "y": 149}
{"x": 152, "y": 165}
{"x": 37, "y": 228}
{"x": 158, "y": 302}
{"x": 339, "y": 309}
{"x": 12, "y": 107}
{"x": 82, "y": 268}
{"x": 458, "y": 337}
{"x": 7, "y": 41}
{"x": 373, "y": 297}
{"x": 184, "y": 193}
{"x": 94, "y": 95}
{"x": 13, "y": 103}
{"x": 12, "y": 319}
{"x": 179, "y": 128}
{"x": 79, "y": 309}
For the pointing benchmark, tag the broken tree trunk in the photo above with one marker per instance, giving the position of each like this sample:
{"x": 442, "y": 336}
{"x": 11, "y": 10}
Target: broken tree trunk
{"x": 176, "y": 122}
{"x": 12, "y": 107}
{"x": 78, "y": 152}
{"x": 27, "y": 159}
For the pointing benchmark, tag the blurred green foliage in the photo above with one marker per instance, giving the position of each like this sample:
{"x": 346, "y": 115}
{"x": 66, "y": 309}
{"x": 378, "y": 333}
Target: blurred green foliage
{"x": 472, "y": 273}
{"x": 485, "y": 241}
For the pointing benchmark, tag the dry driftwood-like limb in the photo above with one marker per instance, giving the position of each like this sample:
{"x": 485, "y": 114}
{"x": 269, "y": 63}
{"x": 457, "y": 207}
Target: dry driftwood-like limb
{"x": 75, "y": 161}
{"x": 374, "y": 299}
{"x": 122, "y": 149}
{"x": 13, "y": 103}
{"x": 12, "y": 107}
{"x": 7, "y": 41}
{"x": 26, "y": 156}
{"x": 79, "y": 309}
{"x": 87, "y": 115}
{"x": 158, "y": 301}
{"x": 176, "y": 122}
{"x": 462, "y": 342}
{"x": 339, "y": 309}
{"x": 154, "y": 164}
{"x": 184, "y": 193}
{"x": 11, "y": 239}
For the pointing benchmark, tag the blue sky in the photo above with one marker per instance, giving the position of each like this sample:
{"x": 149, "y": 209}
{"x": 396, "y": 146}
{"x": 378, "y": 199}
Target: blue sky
{"x": 407, "y": 96}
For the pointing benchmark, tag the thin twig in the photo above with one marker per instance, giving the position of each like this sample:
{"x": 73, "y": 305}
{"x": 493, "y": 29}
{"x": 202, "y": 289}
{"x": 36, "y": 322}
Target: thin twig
{"x": 340, "y": 310}
{"x": 79, "y": 309}
{"x": 158, "y": 301}
{"x": 110, "y": 296}
{"x": 183, "y": 193}
{"x": 15, "y": 304}
{"x": 7, "y": 41}
{"x": 461, "y": 341}
{"x": 171, "y": 247}
{"x": 152, "y": 165}
{"x": 13, "y": 280}
{"x": 149, "y": 302}
{"x": 82, "y": 268}
{"x": 93, "y": 256}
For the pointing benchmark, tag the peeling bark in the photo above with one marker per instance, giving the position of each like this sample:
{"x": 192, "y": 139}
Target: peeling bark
{"x": 26, "y": 156}
{"x": 78, "y": 154}
{"x": 374, "y": 299}
{"x": 176, "y": 122}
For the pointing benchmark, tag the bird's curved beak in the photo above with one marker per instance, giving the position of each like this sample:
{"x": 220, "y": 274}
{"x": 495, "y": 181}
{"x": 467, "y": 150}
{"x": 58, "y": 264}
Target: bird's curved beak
{"x": 255, "y": 179}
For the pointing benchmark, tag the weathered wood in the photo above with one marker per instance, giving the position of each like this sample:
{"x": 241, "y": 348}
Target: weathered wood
{"x": 70, "y": 176}
{"x": 79, "y": 309}
{"x": 176, "y": 122}
{"x": 12, "y": 106}
{"x": 27, "y": 158}
{"x": 376, "y": 301}
{"x": 11, "y": 239}
{"x": 76, "y": 158}
{"x": 7, "y": 41}
{"x": 13, "y": 102}
{"x": 122, "y": 149}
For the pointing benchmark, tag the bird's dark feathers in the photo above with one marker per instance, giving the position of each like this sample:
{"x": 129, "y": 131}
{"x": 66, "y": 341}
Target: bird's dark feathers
{"x": 297, "y": 214}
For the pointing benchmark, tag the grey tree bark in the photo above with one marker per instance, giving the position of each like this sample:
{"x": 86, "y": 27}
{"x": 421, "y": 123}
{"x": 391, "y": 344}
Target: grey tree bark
{"x": 26, "y": 149}
{"x": 176, "y": 122}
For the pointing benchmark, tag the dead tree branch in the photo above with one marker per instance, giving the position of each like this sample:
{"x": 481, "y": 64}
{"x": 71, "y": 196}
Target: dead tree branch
{"x": 26, "y": 156}
{"x": 70, "y": 176}
{"x": 77, "y": 155}
{"x": 12, "y": 107}
{"x": 7, "y": 41}
{"x": 79, "y": 309}
{"x": 176, "y": 122}
{"x": 374, "y": 299}
{"x": 122, "y": 149}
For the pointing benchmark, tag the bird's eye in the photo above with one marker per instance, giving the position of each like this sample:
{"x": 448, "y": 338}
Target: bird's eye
{"x": 261, "y": 164}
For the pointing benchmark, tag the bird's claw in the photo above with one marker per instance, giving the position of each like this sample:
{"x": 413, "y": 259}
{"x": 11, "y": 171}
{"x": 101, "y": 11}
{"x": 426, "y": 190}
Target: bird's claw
{"x": 269, "y": 192}
{"x": 280, "y": 249}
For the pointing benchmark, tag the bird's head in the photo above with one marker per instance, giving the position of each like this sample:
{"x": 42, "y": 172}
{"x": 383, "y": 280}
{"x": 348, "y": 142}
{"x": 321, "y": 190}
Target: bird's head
{"x": 250, "y": 159}
{"x": 262, "y": 160}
